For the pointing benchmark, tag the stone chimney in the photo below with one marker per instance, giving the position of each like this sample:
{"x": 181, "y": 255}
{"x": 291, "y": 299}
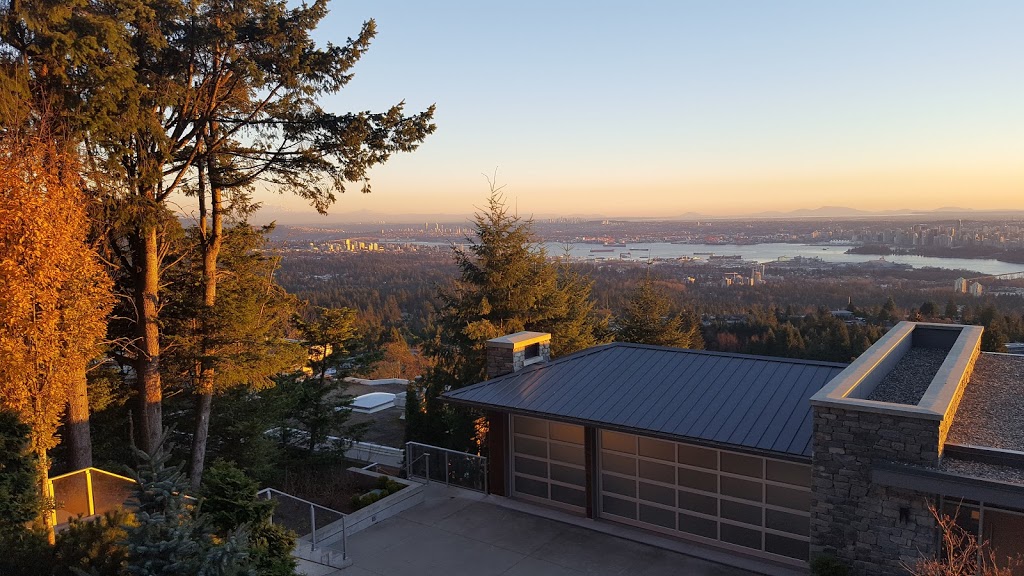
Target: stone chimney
{"x": 514, "y": 352}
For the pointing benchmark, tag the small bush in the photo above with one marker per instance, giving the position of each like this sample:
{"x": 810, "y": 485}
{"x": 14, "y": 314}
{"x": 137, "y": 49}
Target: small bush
{"x": 828, "y": 565}
{"x": 386, "y": 486}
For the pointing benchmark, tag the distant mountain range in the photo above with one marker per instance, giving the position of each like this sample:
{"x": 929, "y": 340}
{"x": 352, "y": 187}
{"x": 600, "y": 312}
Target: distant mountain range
{"x": 308, "y": 218}
{"x": 844, "y": 212}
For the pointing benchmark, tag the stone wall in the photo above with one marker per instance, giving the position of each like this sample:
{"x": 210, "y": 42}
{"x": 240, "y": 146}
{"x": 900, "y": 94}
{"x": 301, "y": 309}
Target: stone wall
{"x": 875, "y": 529}
{"x": 501, "y": 361}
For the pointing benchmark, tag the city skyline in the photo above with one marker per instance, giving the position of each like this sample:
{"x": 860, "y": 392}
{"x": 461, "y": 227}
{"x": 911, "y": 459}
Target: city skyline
{"x": 723, "y": 109}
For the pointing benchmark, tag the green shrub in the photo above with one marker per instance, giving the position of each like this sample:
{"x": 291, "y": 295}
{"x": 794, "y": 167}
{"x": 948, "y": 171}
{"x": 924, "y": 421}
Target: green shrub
{"x": 93, "y": 546}
{"x": 828, "y": 565}
{"x": 386, "y": 486}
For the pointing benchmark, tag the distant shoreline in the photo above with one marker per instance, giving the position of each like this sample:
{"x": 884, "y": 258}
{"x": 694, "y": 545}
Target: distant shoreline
{"x": 966, "y": 252}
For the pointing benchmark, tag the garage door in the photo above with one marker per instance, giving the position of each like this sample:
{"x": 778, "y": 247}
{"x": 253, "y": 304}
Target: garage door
{"x": 717, "y": 496}
{"x": 548, "y": 463}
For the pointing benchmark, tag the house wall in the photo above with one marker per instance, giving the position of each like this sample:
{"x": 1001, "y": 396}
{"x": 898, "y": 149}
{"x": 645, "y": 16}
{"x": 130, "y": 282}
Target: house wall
{"x": 875, "y": 529}
{"x": 497, "y": 452}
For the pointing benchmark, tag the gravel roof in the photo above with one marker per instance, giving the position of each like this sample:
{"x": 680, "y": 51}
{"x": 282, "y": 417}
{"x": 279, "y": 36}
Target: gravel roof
{"x": 991, "y": 412}
{"x": 981, "y": 470}
{"x": 909, "y": 379}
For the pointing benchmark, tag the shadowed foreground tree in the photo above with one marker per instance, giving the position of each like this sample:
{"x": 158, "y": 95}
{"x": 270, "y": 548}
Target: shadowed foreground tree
{"x": 506, "y": 284}
{"x": 648, "y": 319}
{"x": 170, "y": 535}
{"x": 54, "y": 294}
{"x": 229, "y": 501}
{"x": 242, "y": 338}
{"x": 22, "y": 545}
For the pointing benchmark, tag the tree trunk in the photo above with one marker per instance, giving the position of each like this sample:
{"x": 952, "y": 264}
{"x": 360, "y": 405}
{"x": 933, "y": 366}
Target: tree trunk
{"x": 77, "y": 424}
{"x": 149, "y": 395}
{"x": 211, "y": 242}
{"x": 43, "y": 473}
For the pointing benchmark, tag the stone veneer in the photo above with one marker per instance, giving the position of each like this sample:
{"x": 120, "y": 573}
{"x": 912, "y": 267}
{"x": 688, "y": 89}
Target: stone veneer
{"x": 878, "y": 529}
{"x": 873, "y": 528}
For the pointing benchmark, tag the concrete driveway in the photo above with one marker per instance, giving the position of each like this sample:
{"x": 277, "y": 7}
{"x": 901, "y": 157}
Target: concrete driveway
{"x": 455, "y": 533}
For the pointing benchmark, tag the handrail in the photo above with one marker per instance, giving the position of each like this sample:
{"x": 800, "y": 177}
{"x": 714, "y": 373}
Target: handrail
{"x": 449, "y": 450}
{"x": 293, "y": 497}
{"x": 481, "y": 462}
{"x": 314, "y": 538}
{"x": 91, "y": 469}
{"x": 90, "y": 505}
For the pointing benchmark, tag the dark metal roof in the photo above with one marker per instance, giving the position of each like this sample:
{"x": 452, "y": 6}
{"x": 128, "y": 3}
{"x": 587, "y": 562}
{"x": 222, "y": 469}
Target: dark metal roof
{"x": 753, "y": 402}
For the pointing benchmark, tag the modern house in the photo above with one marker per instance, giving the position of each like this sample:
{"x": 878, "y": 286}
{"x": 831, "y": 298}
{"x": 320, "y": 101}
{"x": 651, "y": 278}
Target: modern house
{"x": 777, "y": 458}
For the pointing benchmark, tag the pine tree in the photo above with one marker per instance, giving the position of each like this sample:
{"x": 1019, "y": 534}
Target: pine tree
{"x": 170, "y": 537}
{"x": 506, "y": 284}
{"x": 229, "y": 502}
{"x": 318, "y": 402}
{"x": 242, "y": 338}
{"x": 648, "y": 319}
{"x": 578, "y": 327}
{"x": 24, "y": 546}
{"x": 952, "y": 310}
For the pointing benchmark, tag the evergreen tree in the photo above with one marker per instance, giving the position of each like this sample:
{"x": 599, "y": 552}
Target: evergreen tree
{"x": 229, "y": 502}
{"x": 318, "y": 403}
{"x": 170, "y": 536}
{"x": 578, "y": 327}
{"x": 506, "y": 284}
{"x": 242, "y": 339}
{"x": 888, "y": 313}
{"x": 952, "y": 311}
{"x": 25, "y": 549}
{"x": 648, "y": 319}
{"x": 93, "y": 546}
{"x": 19, "y": 496}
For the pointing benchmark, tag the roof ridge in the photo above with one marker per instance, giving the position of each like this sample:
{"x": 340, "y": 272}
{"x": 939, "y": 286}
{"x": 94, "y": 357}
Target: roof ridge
{"x": 783, "y": 359}
{"x": 602, "y": 347}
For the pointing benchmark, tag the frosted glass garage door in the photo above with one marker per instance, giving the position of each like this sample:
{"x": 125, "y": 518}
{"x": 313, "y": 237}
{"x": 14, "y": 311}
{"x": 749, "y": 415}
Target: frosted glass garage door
{"x": 548, "y": 462}
{"x": 736, "y": 500}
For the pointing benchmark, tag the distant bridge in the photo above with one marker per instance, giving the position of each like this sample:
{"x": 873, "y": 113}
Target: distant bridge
{"x": 1007, "y": 276}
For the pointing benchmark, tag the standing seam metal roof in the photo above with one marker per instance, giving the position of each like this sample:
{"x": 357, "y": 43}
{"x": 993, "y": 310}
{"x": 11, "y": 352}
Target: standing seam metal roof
{"x": 752, "y": 402}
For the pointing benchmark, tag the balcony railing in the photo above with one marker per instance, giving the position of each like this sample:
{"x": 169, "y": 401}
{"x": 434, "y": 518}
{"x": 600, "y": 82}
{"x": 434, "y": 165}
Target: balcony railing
{"x": 453, "y": 468}
{"x": 88, "y": 492}
{"x": 313, "y": 523}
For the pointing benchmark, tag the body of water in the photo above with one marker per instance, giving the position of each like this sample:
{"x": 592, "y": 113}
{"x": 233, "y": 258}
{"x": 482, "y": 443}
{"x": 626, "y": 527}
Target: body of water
{"x": 771, "y": 252}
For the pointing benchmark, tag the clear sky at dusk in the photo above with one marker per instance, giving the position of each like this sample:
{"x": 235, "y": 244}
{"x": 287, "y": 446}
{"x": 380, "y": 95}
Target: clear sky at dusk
{"x": 720, "y": 107}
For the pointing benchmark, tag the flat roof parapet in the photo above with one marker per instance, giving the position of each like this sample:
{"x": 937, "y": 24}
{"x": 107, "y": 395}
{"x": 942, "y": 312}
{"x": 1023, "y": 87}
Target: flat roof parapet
{"x": 852, "y": 387}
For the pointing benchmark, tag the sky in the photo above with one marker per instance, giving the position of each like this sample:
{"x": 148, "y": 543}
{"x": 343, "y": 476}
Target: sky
{"x": 659, "y": 108}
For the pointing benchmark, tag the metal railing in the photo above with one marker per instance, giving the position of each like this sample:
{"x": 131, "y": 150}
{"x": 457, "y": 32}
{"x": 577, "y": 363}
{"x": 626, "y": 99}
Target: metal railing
{"x": 314, "y": 523}
{"x": 88, "y": 492}
{"x": 454, "y": 468}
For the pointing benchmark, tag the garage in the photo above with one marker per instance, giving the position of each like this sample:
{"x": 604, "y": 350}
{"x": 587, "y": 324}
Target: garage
{"x": 704, "y": 447}
{"x": 753, "y": 503}
{"x": 548, "y": 463}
